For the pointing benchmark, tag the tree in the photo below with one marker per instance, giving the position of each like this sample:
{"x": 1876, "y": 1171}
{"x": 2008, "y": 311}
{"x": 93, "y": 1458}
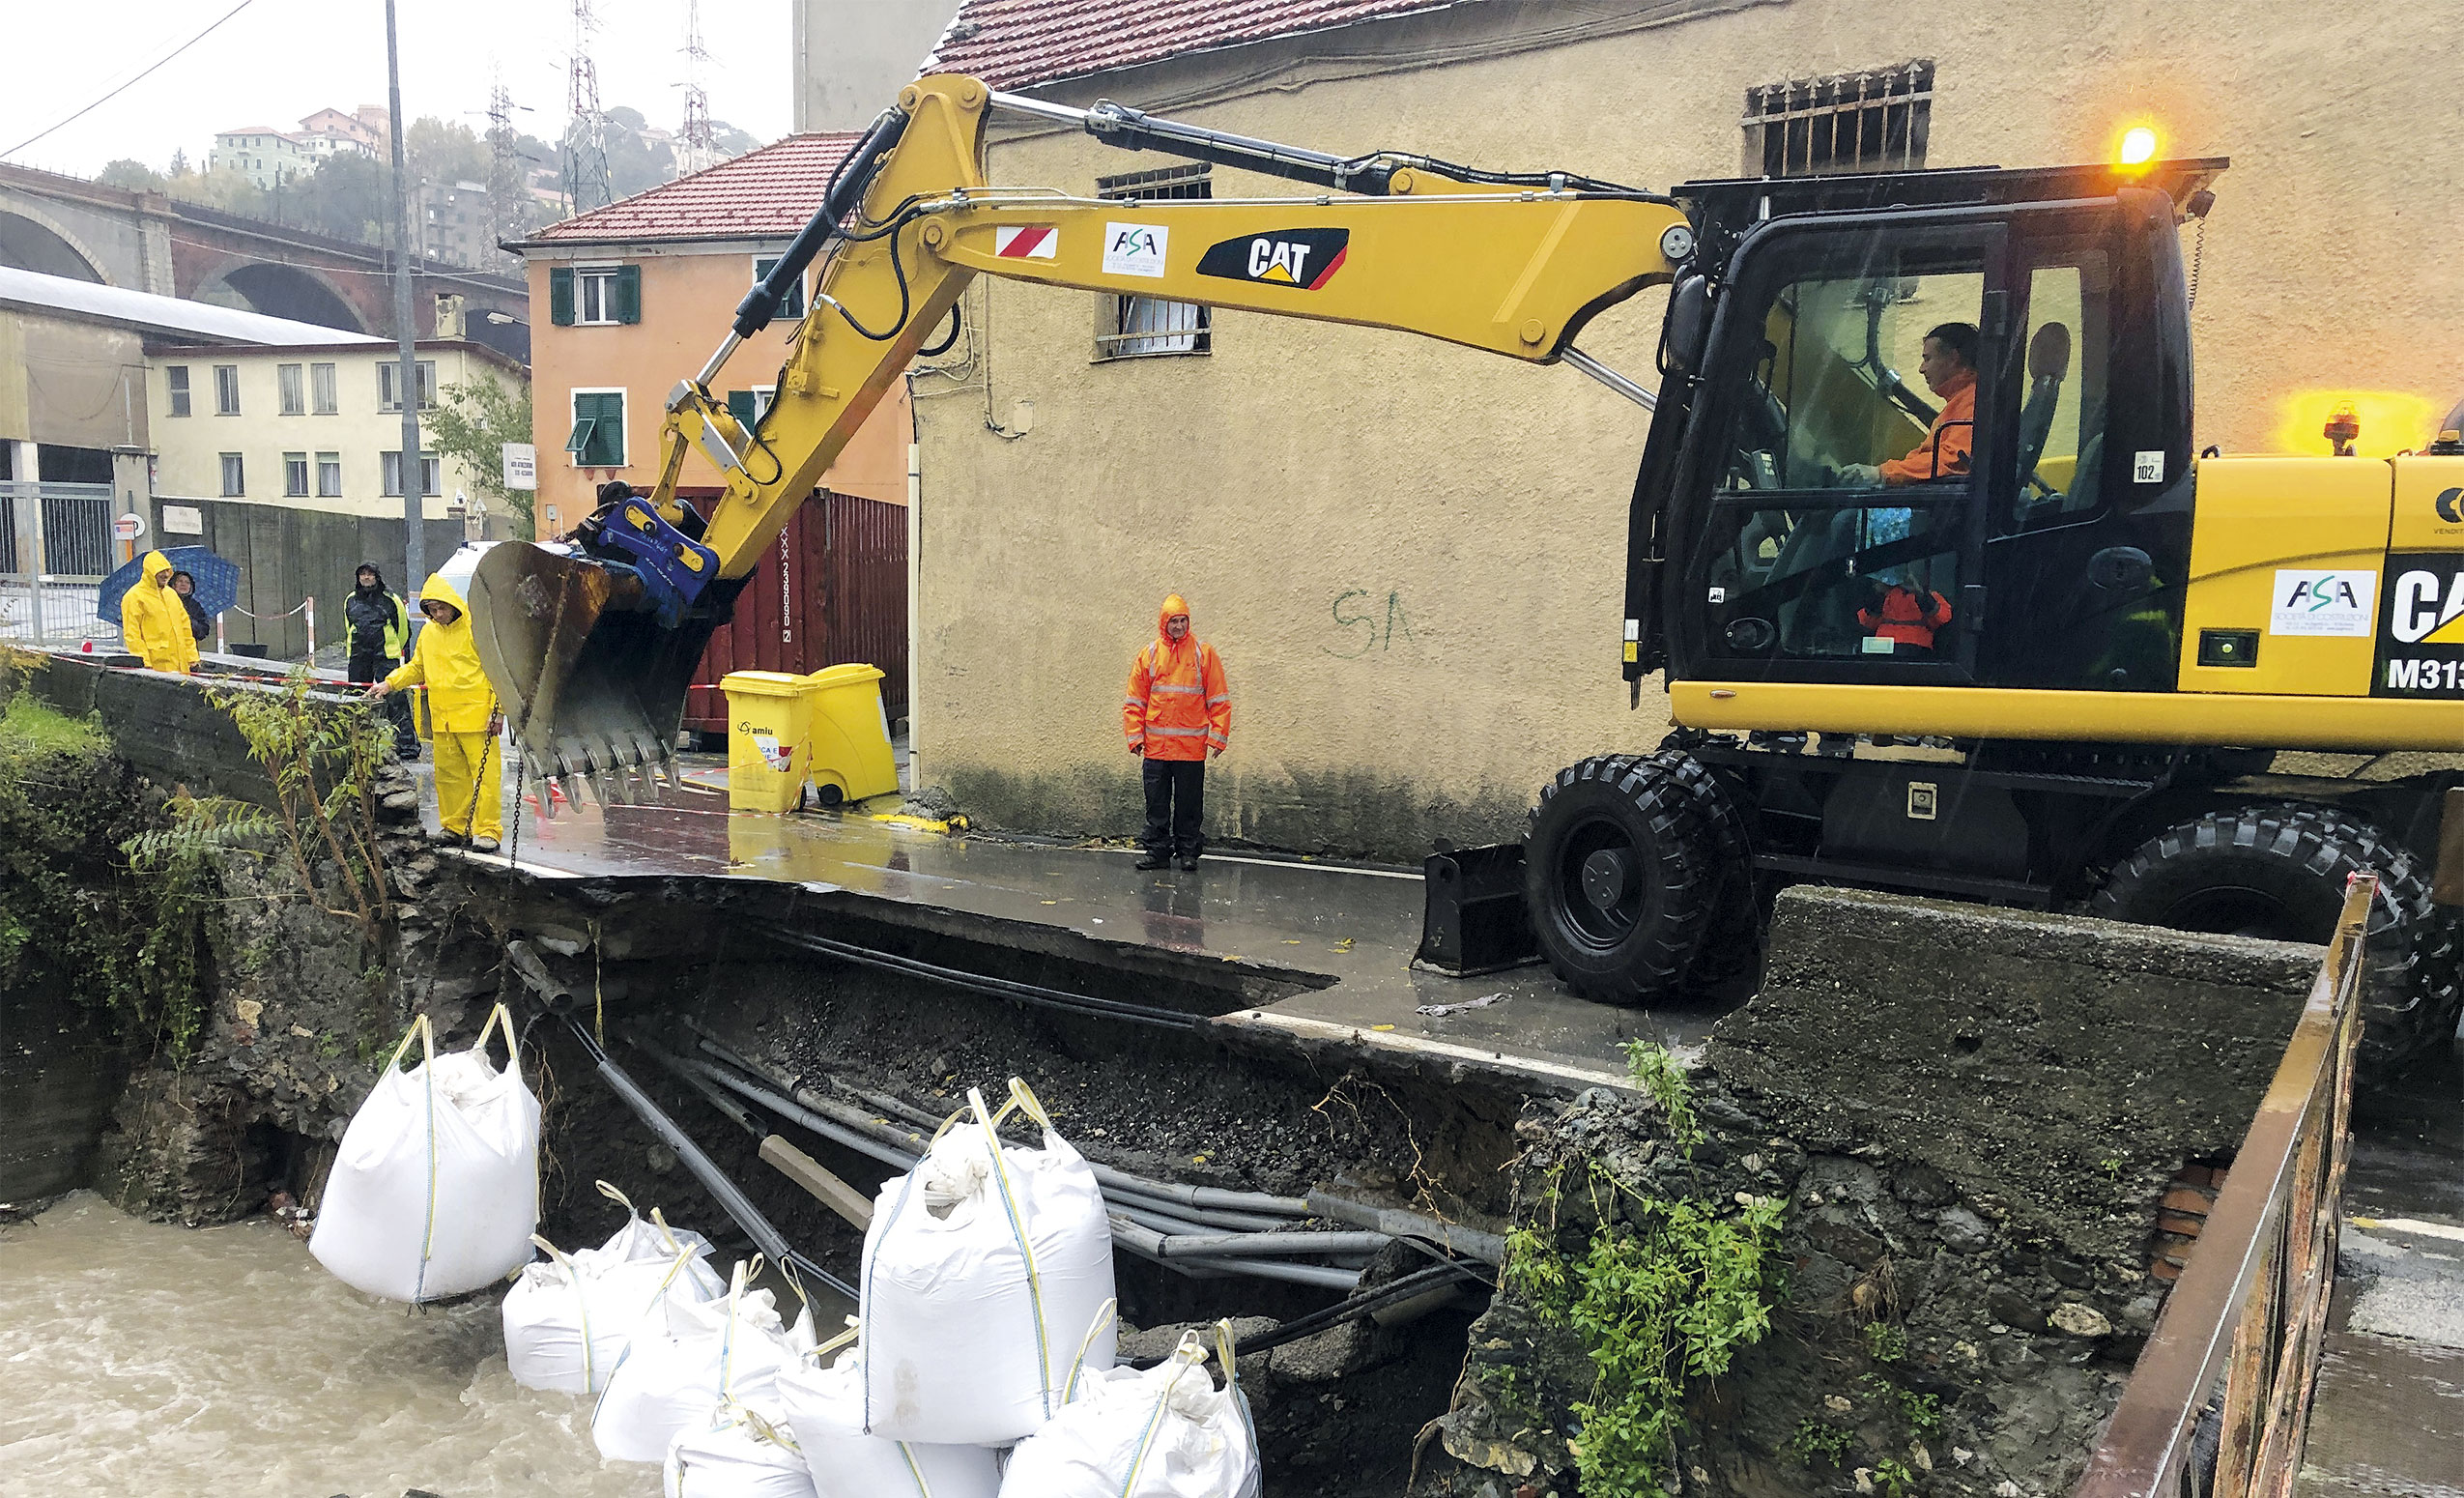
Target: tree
{"x": 347, "y": 196}
{"x": 445, "y": 152}
{"x": 226, "y": 190}
{"x": 132, "y": 176}
{"x": 179, "y": 163}
{"x": 472, "y": 421}
{"x": 732, "y": 141}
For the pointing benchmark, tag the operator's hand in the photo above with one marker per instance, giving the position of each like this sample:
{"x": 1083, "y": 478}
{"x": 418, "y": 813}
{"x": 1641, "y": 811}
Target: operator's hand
{"x": 376, "y": 689}
{"x": 496, "y": 723}
{"x": 1860, "y": 475}
{"x": 1216, "y": 753}
{"x": 1137, "y": 746}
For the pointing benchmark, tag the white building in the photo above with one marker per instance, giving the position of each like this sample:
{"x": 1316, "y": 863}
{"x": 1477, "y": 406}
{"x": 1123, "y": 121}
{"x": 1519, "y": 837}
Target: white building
{"x": 266, "y": 156}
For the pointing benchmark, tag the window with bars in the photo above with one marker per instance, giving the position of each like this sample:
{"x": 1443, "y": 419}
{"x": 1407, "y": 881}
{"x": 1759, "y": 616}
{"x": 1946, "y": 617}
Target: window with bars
{"x": 1874, "y": 120}
{"x": 1128, "y": 327}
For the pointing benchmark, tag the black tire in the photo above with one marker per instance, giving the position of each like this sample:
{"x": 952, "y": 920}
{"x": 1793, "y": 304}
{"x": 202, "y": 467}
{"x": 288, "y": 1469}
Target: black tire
{"x": 1733, "y": 942}
{"x": 1620, "y": 875}
{"x": 2279, "y": 872}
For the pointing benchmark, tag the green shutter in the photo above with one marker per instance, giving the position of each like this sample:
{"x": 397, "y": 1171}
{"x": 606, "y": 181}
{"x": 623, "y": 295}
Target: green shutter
{"x": 560, "y": 296}
{"x": 744, "y": 406}
{"x": 598, "y": 430}
{"x": 628, "y": 294}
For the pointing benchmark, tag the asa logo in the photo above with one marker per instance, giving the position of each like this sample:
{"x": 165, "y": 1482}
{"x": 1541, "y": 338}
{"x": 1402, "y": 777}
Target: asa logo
{"x": 2450, "y": 506}
{"x": 2318, "y": 602}
{"x": 1304, "y": 259}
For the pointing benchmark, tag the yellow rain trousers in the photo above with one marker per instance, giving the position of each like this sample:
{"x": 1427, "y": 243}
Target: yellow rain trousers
{"x": 461, "y": 706}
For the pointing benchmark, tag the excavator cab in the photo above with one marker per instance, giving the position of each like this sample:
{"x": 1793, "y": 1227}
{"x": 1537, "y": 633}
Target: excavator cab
{"x": 2019, "y": 516}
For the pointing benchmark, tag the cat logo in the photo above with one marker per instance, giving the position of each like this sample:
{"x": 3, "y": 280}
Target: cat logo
{"x": 1303, "y": 259}
{"x": 2450, "y": 506}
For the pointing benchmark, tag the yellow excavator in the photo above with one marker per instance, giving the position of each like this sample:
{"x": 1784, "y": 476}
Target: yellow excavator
{"x": 2022, "y": 645}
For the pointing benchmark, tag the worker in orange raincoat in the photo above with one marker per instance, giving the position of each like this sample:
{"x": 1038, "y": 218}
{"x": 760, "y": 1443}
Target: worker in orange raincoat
{"x": 463, "y": 719}
{"x": 153, "y": 623}
{"x": 1178, "y": 711}
{"x": 1949, "y": 368}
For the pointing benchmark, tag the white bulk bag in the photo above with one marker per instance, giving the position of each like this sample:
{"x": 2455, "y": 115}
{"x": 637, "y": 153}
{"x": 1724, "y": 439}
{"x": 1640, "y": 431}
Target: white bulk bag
{"x": 567, "y": 1320}
{"x": 1164, "y": 1432}
{"x": 742, "y": 1452}
{"x": 435, "y": 1191}
{"x": 824, "y": 1410}
{"x": 980, "y": 1266}
{"x": 688, "y": 1357}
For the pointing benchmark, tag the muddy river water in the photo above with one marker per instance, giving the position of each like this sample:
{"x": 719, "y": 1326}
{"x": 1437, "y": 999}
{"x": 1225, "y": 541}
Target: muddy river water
{"x": 141, "y": 1359}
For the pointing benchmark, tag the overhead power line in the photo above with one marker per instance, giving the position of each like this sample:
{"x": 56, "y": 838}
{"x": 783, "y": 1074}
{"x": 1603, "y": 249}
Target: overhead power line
{"x": 132, "y": 82}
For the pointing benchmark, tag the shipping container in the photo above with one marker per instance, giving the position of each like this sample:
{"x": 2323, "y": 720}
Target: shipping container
{"x": 832, "y": 589}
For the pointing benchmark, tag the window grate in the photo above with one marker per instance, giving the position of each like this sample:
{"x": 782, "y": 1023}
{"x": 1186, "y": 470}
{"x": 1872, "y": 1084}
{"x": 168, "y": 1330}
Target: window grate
{"x": 1130, "y": 327}
{"x": 1874, "y": 120}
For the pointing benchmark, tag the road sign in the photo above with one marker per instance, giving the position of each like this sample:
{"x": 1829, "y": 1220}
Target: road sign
{"x": 129, "y": 527}
{"x": 520, "y": 466}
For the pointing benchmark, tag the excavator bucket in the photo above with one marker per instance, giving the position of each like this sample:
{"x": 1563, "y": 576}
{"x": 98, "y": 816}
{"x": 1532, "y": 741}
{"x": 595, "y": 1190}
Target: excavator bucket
{"x": 593, "y": 686}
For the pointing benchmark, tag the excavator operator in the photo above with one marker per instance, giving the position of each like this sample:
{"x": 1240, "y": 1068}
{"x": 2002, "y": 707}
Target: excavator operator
{"x": 1949, "y": 368}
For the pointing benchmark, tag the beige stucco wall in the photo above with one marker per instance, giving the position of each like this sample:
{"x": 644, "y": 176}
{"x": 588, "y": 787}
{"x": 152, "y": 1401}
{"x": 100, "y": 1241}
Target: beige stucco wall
{"x": 1305, "y": 485}
{"x": 689, "y": 293}
{"x": 68, "y": 382}
{"x": 189, "y": 449}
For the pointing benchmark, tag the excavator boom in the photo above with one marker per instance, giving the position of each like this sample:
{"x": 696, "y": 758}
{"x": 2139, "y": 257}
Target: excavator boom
{"x": 593, "y": 646}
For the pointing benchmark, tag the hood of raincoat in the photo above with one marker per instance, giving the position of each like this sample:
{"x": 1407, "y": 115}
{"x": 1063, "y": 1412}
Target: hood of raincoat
{"x": 368, "y": 566}
{"x": 158, "y": 570}
{"x": 438, "y": 591}
{"x": 1172, "y": 604}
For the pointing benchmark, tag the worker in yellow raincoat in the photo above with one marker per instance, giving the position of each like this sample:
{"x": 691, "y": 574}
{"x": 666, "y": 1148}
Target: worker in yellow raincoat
{"x": 463, "y": 719}
{"x": 153, "y": 623}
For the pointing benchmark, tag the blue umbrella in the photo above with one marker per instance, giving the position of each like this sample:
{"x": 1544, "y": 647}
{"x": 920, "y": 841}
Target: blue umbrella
{"x": 217, "y": 581}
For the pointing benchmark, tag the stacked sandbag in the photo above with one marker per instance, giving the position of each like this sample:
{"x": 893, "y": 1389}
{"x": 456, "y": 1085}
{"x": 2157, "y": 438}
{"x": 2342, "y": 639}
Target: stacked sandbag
{"x": 568, "y": 1321}
{"x": 435, "y": 1191}
{"x": 740, "y": 1452}
{"x": 980, "y": 1267}
{"x": 824, "y": 1411}
{"x": 687, "y": 1358}
{"x": 1164, "y": 1432}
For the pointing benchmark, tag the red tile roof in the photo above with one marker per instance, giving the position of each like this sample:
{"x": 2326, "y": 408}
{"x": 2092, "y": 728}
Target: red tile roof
{"x": 762, "y": 194}
{"x": 1011, "y": 43}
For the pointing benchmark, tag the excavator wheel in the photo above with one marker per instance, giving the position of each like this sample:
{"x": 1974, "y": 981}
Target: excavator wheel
{"x": 2279, "y": 872}
{"x": 1621, "y": 877}
{"x": 1733, "y": 942}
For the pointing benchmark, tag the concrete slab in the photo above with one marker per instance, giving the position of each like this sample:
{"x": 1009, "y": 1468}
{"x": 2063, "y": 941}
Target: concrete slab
{"x": 1347, "y": 933}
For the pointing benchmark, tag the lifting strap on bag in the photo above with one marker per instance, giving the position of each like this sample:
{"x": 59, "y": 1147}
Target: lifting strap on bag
{"x": 581, "y": 1304}
{"x": 500, "y": 1016}
{"x": 426, "y": 1032}
{"x": 1103, "y": 1313}
{"x": 1026, "y": 1247}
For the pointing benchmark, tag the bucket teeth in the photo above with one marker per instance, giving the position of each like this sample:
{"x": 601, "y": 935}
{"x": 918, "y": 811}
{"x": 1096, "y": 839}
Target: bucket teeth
{"x": 541, "y": 792}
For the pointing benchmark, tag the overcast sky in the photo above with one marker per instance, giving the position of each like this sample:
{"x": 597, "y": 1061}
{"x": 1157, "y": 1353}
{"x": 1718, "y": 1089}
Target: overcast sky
{"x": 278, "y": 60}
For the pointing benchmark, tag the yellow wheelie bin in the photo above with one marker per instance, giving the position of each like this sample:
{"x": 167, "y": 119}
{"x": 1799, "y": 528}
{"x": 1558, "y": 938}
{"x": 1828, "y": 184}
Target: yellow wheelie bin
{"x": 850, "y": 734}
{"x": 769, "y": 739}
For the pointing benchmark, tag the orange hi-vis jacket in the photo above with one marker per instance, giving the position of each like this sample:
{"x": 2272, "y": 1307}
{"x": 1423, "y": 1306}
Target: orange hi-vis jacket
{"x": 1179, "y": 706}
{"x": 1953, "y": 436}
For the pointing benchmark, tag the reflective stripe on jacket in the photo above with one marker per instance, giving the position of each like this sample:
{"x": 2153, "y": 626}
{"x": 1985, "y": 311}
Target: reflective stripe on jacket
{"x": 1952, "y": 437}
{"x": 1178, "y": 704}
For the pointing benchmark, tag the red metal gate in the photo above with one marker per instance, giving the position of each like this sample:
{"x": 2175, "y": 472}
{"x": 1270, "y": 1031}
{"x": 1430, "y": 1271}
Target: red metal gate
{"x": 832, "y": 589}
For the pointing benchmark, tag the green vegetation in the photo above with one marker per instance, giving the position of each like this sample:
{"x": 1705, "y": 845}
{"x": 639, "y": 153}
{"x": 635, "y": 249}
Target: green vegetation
{"x": 1817, "y": 1443}
{"x": 472, "y": 422}
{"x": 1884, "y": 1343}
{"x": 75, "y": 919}
{"x": 1666, "y": 1291}
{"x": 323, "y": 761}
{"x": 1892, "y": 1478}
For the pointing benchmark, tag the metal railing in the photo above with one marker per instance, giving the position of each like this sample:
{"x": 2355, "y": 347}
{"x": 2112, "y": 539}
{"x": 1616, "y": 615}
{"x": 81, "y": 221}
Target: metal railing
{"x": 2219, "y": 1401}
{"x": 68, "y": 528}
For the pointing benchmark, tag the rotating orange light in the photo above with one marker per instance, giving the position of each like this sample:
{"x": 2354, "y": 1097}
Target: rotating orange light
{"x": 2138, "y": 146}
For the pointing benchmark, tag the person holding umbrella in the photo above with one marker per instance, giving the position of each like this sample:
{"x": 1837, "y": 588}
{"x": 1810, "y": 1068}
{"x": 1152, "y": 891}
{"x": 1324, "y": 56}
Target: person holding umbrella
{"x": 185, "y": 585}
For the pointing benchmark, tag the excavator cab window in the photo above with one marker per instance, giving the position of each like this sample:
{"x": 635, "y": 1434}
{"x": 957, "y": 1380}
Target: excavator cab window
{"x": 1837, "y": 534}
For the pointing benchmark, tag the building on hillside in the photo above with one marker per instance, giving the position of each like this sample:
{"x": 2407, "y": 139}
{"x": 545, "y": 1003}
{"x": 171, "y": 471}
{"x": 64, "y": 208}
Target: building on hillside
{"x": 269, "y": 157}
{"x": 629, "y": 298}
{"x": 453, "y": 223}
{"x": 78, "y": 424}
{"x": 310, "y": 426}
{"x": 1412, "y": 555}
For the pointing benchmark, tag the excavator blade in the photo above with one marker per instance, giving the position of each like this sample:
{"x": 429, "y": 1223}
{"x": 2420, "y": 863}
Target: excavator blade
{"x": 594, "y": 688}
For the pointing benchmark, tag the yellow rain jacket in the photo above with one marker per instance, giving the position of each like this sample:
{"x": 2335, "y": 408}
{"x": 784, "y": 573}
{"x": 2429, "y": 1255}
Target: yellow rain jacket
{"x": 154, "y": 622}
{"x": 446, "y": 663}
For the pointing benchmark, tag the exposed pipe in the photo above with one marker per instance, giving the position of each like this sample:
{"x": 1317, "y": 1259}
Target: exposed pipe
{"x": 1270, "y": 1245}
{"x": 732, "y": 1201}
